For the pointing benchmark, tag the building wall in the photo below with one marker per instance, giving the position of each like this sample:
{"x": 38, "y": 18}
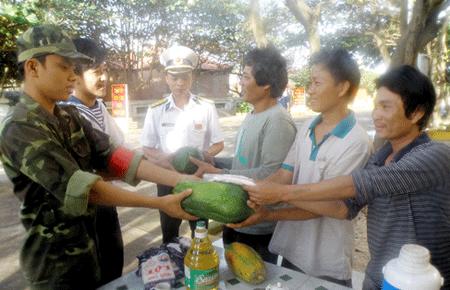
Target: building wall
{"x": 213, "y": 85}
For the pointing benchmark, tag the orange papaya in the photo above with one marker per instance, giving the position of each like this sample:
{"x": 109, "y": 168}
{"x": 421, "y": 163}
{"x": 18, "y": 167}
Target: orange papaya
{"x": 245, "y": 263}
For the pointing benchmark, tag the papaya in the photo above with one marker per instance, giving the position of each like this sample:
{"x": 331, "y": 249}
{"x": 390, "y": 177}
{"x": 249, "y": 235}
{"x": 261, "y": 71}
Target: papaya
{"x": 181, "y": 162}
{"x": 245, "y": 263}
{"x": 219, "y": 201}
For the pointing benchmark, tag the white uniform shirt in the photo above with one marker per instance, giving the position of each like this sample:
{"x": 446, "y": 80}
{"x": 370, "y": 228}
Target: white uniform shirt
{"x": 169, "y": 128}
{"x": 322, "y": 246}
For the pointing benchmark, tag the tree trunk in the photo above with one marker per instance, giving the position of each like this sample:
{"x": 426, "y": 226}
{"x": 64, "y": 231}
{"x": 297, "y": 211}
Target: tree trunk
{"x": 380, "y": 43}
{"x": 438, "y": 53}
{"x": 309, "y": 19}
{"x": 422, "y": 28}
{"x": 256, "y": 24}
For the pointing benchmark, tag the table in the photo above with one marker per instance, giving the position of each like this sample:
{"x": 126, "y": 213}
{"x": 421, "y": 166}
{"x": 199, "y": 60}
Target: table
{"x": 228, "y": 281}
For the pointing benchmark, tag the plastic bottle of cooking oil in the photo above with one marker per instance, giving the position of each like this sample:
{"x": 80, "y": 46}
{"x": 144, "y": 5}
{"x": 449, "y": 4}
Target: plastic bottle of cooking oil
{"x": 201, "y": 263}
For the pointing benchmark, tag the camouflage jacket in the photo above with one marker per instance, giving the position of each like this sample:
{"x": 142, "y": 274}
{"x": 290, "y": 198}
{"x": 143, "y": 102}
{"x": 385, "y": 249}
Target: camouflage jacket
{"x": 50, "y": 160}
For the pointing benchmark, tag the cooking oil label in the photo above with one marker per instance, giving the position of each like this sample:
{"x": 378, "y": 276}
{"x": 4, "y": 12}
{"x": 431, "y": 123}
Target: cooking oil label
{"x": 201, "y": 279}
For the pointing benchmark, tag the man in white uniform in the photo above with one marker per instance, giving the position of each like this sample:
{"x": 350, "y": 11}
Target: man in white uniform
{"x": 181, "y": 119}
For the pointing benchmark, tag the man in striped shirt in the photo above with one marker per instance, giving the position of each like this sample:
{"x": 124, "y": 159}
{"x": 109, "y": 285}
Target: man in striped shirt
{"x": 90, "y": 85}
{"x": 406, "y": 183}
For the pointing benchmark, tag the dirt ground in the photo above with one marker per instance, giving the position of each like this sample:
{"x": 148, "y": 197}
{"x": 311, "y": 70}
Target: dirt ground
{"x": 361, "y": 257}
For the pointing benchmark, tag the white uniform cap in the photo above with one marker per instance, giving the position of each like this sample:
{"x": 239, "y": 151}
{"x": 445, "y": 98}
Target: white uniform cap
{"x": 178, "y": 59}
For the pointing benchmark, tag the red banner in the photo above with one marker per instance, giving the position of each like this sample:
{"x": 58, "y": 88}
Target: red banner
{"x": 119, "y": 101}
{"x": 298, "y": 99}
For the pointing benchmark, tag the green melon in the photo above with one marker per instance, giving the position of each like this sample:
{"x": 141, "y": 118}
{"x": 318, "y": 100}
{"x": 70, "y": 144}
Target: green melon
{"x": 181, "y": 162}
{"x": 219, "y": 201}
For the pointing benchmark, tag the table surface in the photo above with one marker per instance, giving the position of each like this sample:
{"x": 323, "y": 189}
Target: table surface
{"x": 228, "y": 281}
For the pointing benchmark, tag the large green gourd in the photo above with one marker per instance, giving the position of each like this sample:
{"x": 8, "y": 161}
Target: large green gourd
{"x": 181, "y": 162}
{"x": 219, "y": 201}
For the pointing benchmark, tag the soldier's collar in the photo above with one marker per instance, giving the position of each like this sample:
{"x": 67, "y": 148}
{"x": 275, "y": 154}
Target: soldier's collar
{"x": 32, "y": 105}
{"x": 172, "y": 101}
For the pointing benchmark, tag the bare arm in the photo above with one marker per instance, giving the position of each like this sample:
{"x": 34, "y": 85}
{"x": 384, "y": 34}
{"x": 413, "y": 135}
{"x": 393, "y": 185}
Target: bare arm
{"x": 152, "y": 153}
{"x": 212, "y": 151}
{"x": 158, "y": 158}
{"x": 334, "y": 209}
{"x": 215, "y": 148}
{"x": 282, "y": 176}
{"x": 263, "y": 214}
{"x": 331, "y": 189}
{"x": 204, "y": 167}
{"x": 107, "y": 194}
{"x": 306, "y": 211}
{"x": 154, "y": 173}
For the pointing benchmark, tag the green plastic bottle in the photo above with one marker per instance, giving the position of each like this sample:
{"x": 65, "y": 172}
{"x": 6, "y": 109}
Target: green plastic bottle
{"x": 201, "y": 263}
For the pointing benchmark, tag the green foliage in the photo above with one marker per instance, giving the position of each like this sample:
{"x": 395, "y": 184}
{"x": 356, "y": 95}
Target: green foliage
{"x": 14, "y": 19}
{"x": 128, "y": 29}
{"x": 300, "y": 78}
{"x": 243, "y": 107}
{"x": 216, "y": 30}
{"x": 18, "y": 16}
{"x": 368, "y": 81}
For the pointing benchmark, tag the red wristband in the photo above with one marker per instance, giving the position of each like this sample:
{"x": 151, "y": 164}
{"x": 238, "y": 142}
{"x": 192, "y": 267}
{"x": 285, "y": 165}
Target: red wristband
{"x": 119, "y": 162}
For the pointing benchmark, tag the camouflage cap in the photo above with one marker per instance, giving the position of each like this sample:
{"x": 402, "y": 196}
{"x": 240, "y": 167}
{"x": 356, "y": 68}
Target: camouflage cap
{"x": 47, "y": 39}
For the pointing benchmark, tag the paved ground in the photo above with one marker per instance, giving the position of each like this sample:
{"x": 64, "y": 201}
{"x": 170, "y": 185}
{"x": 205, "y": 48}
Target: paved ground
{"x": 140, "y": 226}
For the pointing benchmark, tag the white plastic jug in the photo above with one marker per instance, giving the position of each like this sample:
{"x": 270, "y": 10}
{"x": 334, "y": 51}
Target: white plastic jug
{"x": 411, "y": 271}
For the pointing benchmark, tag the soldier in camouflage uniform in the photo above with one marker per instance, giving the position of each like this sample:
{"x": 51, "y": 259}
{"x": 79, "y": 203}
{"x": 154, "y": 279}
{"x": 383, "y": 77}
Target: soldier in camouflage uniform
{"x": 49, "y": 153}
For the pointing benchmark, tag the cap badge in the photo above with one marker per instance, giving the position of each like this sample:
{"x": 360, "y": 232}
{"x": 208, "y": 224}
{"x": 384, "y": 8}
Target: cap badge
{"x": 178, "y": 61}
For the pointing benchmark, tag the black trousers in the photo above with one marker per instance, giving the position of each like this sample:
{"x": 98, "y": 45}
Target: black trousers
{"x": 170, "y": 226}
{"x": 110, "y": 243}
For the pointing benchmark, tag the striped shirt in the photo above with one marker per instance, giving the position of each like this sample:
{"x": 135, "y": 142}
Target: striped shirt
{"x": 409, "y": 202}
{"x": 97, "y": 111}
{"x": 93, "y": 114}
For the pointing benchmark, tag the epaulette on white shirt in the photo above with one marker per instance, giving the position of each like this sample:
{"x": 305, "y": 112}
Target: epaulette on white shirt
{"x": 205, "y": 99}
{"x": 158, "y": 103}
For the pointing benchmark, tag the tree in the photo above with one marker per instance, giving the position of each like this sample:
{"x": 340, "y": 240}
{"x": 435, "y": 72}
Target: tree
{"x": 309, "y": 18}
{"x": 135, "y": 31}
{"x": 18, "y": 16}
{"x": 14, "y": 19}
{"x": 256, "y": 24}
{"x": 419, "y": 31}
{"x": 438, "y": 52}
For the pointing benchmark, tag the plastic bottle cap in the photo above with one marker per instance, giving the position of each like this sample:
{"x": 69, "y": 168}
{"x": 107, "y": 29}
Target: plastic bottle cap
{"x": 201, "y": 234}
{"x": 414, "y": 254}
{"x": 201, "y": 225}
